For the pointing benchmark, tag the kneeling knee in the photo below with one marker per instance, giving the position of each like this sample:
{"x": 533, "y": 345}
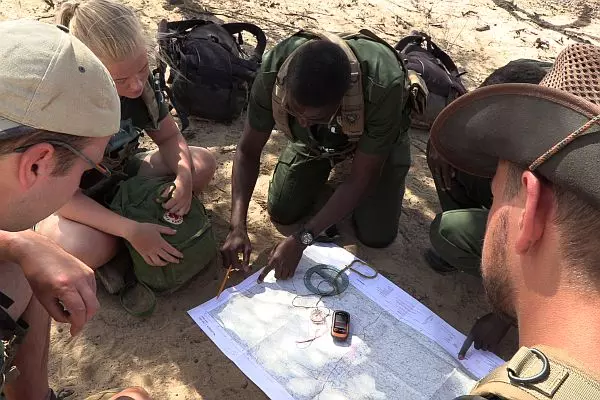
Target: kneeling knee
{"x": 376, "y": 241}
{"x": 282, "y": 215}
{"x": 205, "y": 166}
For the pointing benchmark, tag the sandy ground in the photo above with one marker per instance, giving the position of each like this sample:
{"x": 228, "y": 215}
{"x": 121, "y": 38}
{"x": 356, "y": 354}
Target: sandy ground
{"x": 167, "y": 353}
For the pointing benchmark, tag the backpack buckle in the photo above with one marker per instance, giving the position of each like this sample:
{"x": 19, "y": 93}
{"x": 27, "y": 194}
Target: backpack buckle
{"x": 540, "y": 376}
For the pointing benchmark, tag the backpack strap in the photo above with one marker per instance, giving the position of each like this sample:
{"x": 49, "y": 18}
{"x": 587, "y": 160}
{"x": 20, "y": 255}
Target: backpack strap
{"x": 163, "y": 38}
{"x": 415, "y": 84}
{"x": 279, "y": 99}
{"x": 375, "y": 38}
{"x": 352, "y": 107}
{"x": 179, "y": 27}
{"x": 151, "y": 97}
{"x": 538, "y": 374}
{"x": 417, "y": 38}
{"x": 353, "y": 102}
{"x": 261, "y": 39}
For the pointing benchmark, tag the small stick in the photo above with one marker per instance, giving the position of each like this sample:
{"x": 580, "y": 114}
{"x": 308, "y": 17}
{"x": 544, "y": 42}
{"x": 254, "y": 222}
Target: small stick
{"x": 224, "y": 280}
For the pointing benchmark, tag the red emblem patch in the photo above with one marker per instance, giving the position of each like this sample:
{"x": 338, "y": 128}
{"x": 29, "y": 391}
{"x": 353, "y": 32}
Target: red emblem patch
{"x": 173, "y": 218}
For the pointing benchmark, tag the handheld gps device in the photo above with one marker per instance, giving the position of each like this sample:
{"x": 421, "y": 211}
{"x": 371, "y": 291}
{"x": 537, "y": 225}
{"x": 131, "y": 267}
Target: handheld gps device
{"x": 340, "y": 326}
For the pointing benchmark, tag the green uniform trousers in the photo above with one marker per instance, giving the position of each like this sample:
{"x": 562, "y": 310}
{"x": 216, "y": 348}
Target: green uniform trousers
{"x": 298, "y": 180}
{"x": 457, "y": 233}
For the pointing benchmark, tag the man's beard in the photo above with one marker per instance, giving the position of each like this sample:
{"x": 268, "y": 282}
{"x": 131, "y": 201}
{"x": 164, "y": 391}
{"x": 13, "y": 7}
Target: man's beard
{"x": 495, "y": 269}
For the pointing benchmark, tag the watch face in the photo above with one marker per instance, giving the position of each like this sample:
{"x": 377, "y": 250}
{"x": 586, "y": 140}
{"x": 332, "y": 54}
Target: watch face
{"x": 306, "y": 238}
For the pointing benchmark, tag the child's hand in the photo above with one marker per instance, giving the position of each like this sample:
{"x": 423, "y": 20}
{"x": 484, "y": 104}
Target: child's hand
{"x": 148, "y": 241}
{"x": 181, "y": 198}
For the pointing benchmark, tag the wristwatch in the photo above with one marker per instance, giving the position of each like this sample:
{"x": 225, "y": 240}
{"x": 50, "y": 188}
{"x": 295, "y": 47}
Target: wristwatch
{"x": 305, "y": 237}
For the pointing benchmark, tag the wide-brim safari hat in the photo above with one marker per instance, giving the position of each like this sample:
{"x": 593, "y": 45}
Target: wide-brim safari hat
{"x": 552, "y": 128}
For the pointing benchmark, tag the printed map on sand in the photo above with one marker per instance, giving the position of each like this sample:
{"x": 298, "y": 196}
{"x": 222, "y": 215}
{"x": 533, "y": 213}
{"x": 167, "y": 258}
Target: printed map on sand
{"x": 398, "y": 349}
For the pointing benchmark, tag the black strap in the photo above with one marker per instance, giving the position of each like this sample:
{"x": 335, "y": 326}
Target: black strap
{"x": 417, "y": 38}
{"x": 5, "y": 301}
{"x": 261, "y": 40}
{"x": 163, "y": 29}
{"x": 182, "y": 26}
{"x": 175, "y": 28}
{"x": 9, "y": 327}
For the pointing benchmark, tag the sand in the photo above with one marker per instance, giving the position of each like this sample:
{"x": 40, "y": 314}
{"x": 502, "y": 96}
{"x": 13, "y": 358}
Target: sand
{"x": 167, "y": 353}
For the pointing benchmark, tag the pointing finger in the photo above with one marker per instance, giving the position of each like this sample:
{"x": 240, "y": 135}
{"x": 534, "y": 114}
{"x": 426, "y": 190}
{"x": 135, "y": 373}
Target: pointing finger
{"x": 465, "y": 347}
{"x": 265, "y": 272}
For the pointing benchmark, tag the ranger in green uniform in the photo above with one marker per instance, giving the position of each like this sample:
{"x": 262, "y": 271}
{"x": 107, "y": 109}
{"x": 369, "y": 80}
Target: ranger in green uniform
{"x": 334, "y": 99}
{"x": 541, "y": 145}
{"x": 457, "y": 233}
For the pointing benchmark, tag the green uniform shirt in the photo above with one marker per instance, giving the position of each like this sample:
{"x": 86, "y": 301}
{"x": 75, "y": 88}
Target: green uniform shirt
{"x": 136, "y": 110}
{"x": 135, "y": 118}
{"x": 383, "y": 79}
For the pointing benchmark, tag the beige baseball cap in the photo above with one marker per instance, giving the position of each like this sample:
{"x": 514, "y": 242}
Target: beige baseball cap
{"x": 50, "y": 80}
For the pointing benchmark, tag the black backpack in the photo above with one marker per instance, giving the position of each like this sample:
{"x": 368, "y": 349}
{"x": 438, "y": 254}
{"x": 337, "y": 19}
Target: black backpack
{"x": 437, "y": 69}
{"x": 210, "y": 75}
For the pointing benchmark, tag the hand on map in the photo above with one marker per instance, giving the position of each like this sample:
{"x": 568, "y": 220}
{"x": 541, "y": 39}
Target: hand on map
{"x": 487, "y": 332}
{"x": 284, "y": 259}
{"x": 181, "y": 198}
{"x": 442, "y": 172}
{"x": 237, "y": 242}
{"x": 65, "y": 286}
{"x": 147, "y": 239}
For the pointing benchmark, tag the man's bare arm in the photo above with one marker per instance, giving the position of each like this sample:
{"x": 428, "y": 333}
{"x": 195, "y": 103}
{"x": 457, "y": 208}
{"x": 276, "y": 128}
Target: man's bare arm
{"x": 243, "y": 179}
{"x": 245, "y": 173}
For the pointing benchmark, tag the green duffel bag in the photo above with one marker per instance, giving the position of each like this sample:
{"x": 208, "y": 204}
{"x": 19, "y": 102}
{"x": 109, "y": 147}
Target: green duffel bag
{"x": 140, "y": 198}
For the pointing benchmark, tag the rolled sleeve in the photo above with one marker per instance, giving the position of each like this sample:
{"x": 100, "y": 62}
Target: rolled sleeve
{"x": 260, "y": 109}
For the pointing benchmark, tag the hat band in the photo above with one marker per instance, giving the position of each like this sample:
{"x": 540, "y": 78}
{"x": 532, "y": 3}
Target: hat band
{"x": 583, "y": 130}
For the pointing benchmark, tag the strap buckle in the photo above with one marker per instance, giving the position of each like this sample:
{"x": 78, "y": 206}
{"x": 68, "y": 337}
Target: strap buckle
{"x": 540, "y": 376}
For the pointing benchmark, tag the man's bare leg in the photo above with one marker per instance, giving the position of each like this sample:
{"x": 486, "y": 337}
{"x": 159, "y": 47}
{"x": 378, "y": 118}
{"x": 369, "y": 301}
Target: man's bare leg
{"x": 32, "y": 355}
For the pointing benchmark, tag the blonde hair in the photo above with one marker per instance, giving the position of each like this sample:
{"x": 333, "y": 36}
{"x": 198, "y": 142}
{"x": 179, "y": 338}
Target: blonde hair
{"x": 111, "y": 30}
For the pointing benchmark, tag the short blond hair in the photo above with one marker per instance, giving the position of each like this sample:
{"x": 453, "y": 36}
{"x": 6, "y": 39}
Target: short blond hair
{"x": 111, "y": 30}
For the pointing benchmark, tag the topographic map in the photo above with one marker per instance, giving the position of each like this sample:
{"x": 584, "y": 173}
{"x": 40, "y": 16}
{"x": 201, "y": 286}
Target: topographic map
{"x": 397, "y": 348}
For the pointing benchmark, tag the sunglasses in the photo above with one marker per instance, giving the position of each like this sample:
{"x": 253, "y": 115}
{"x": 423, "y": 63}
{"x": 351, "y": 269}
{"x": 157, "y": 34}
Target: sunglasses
{"x": 97, "y": 166}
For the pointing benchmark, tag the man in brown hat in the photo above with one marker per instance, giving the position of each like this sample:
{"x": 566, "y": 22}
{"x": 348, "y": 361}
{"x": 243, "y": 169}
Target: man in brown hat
{"x": 59, "y": 109}
{"x": 457, "y": 233}
{"x": 541, "y": 145}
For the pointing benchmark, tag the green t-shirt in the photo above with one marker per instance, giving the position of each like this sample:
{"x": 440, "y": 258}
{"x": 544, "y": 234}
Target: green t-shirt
{"x": 386, "y": 115}
{"x": 135, "y": 118}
